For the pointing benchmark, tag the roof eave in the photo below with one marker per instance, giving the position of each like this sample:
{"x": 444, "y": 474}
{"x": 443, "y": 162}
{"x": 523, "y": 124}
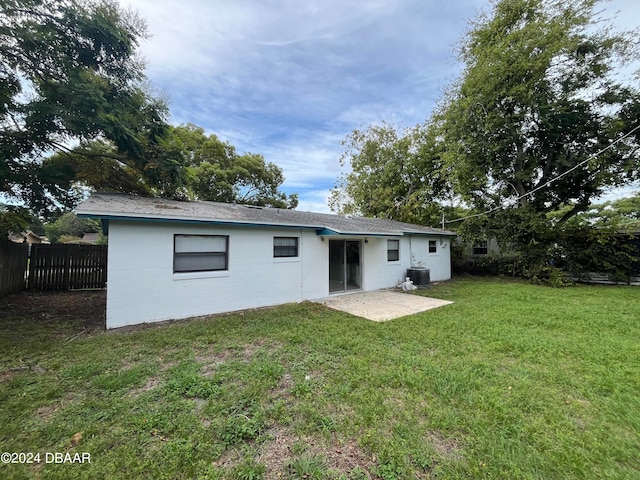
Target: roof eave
{"x": 321, "y": 230}
{"x": 106, "y": 218}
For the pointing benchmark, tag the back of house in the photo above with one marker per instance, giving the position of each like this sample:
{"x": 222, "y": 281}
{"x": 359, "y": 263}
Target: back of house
{"x": 170, "y": 259}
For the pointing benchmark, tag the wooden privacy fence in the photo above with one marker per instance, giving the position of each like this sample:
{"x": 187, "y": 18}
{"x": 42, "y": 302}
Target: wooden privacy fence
{"x": 67, "y": 267}
{"x": 13, "y": 266}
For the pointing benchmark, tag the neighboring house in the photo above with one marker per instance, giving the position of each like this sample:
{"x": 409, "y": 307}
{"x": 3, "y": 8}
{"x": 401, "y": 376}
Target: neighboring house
{"x": 27, "y": 237}
{"x": 170, "y": 259}
{"x": 87, "y": 238}
{"x": 91, "y": 237}
{"x": 478, "y": 248}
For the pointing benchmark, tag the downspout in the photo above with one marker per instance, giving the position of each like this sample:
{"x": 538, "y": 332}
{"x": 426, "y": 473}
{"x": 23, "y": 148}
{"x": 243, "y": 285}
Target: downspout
{"x": 301, "y": 266}
{"x": 410, "y": 251}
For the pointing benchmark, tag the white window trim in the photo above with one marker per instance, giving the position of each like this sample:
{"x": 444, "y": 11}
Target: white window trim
{"x": 205, "y": 274}
{"x": 399, "y": 260}
{"x": 286, "y": 259}
{"x": 437, "y": 252}
{"x": 291, "y": 258}
{"x": 200, "y": 273}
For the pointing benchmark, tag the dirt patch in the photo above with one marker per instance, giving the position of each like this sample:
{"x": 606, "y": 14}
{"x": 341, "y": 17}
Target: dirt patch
{"x": 151, "y": 384}
{"x": 447, "y": 448}
{"x": 169, "y": 357}
{"x": 341, "y": 457}
{"x": 9, "y": 373}
{"x": 45, "y": 412}
{"x": 275, "y": 453}
{"x": 285, "y": 384}
{"x": 211, "y": 359}
{"x": 247, "y": 352}
{"x": 346, "y": 457}
{"x": 282, "y": 445}
{"x": 85, "y": 307}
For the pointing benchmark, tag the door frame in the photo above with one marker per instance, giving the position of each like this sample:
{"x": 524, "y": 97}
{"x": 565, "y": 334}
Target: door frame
{"x": 345, "y": 265}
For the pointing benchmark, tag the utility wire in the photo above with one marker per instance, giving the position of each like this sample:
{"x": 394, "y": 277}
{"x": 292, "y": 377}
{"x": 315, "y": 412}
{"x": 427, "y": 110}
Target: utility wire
{"x": 549, "y": 182}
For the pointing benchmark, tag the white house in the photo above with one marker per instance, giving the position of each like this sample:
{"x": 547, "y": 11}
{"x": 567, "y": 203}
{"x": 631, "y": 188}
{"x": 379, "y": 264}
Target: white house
{"x": 169, "y": 259}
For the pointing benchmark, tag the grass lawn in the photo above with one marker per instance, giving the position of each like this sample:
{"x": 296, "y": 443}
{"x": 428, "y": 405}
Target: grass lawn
{"x": 511, "y": 381}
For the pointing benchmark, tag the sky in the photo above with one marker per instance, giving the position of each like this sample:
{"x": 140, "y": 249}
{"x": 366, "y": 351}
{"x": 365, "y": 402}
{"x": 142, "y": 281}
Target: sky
{"x": 290, "y": 79}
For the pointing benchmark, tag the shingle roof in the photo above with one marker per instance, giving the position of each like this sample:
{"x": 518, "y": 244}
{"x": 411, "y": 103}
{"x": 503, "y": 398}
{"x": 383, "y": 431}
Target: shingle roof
{"x": 130, "y": 207}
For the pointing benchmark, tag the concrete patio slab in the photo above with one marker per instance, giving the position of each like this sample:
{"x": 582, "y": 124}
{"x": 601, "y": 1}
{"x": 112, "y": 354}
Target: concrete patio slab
{"x": 381, "y": 305}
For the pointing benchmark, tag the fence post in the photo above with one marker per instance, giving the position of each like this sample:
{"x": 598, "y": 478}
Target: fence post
{"x": 31, "y": 283}
{"x": 67, "y": 267}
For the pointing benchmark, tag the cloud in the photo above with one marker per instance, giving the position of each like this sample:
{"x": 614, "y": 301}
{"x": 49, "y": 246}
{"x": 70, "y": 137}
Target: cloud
{"x": 315, "y": 201}
{"x": 291, "y": 79}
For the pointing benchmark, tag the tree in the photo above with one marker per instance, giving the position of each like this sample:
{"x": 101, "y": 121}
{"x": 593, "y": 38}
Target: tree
{"x": 537, "y": 124}
{"x": 394, "y": 175}
{"x": 536, "y": 98}
{"x": 217, "y": 173}
{"x": 68, "y": 74}
{"x": 13, "y": 218}
{"x": 538, "y": 128}
{"x": 622, "y": 214}
{"x": 97, "y": 164}
{"x": 70, "y": 225}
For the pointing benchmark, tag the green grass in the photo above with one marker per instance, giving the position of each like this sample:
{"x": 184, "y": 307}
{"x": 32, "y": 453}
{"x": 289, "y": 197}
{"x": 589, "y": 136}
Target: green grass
{"x": 511, "y": 381}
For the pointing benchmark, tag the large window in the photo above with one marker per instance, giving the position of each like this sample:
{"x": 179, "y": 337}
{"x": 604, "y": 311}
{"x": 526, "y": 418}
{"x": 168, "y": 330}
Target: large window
{"x": 393, "y": 250}
{"x": 200, "y": 253}
{"x": 433, "y": 246}
{"x": 285, "y": 247}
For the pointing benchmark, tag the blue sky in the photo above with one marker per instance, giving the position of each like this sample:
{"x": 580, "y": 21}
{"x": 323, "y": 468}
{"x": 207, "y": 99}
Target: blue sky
{"x": 290, "y": 79}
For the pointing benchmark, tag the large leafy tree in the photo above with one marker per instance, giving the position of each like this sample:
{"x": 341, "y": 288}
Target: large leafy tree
{"x": 216, "y": 172}
{"x": 538, "y": 97}
{"x": 209, "y": 169}
{"x": 392, "y": 174}
{"x": 622, "y": 214}
{"x": 70, "y": 225}
{"x": 69, "y": 75}
{"x": 538, "y": 124}
{"x": 99, "y": 165}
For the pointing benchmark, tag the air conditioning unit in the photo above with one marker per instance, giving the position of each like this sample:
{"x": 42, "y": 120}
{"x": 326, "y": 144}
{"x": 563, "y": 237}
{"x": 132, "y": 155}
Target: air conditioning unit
{"x": 419, "y": 275}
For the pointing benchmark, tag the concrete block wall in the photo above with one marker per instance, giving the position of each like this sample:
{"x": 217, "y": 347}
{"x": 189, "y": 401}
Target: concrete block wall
{"x": 142, "y": 287}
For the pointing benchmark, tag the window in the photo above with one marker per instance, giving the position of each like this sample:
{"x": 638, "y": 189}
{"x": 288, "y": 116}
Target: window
{"x": 393, "y": 250}
{"x": 200, "y": 253}
{"x": 480, "y": 248}
{"x": 433, "y": 247}
{"x": 285, "y": 246}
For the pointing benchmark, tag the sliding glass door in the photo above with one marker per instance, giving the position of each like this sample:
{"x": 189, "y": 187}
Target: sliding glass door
{"x": 345, "y": 268}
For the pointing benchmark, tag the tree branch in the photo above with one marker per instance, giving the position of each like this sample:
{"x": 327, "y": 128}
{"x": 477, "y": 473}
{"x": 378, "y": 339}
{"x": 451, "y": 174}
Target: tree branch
{"x": 581, "y": 206}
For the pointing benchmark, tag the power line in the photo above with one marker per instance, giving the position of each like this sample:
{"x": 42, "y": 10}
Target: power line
{"x": 549, "y": 182}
